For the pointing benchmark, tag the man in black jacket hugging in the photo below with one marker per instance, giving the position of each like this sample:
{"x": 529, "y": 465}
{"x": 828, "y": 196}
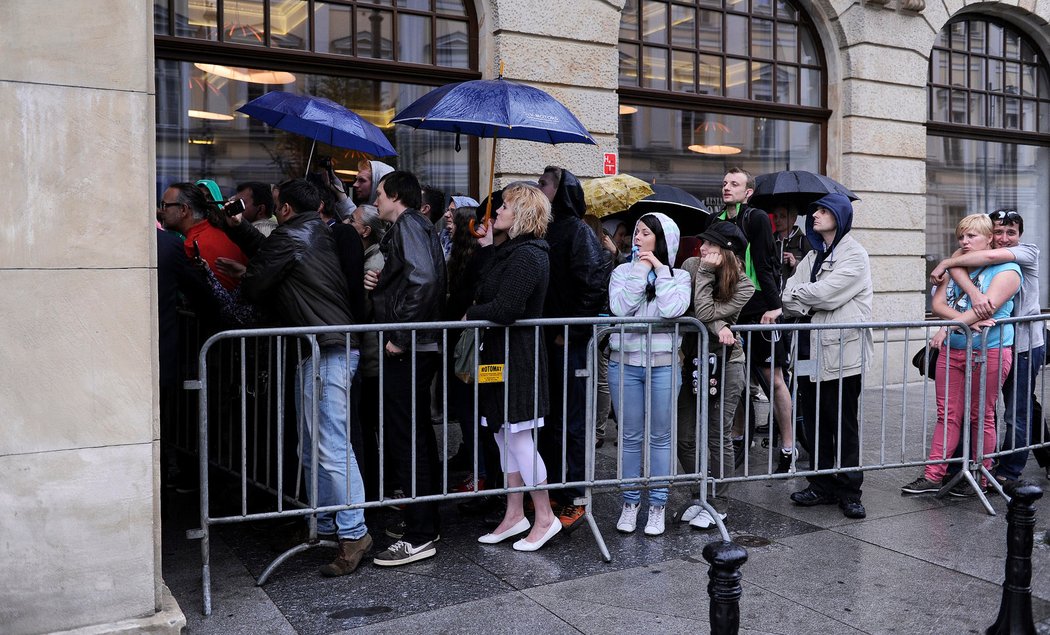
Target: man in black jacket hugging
{"x": 296, "y": 275}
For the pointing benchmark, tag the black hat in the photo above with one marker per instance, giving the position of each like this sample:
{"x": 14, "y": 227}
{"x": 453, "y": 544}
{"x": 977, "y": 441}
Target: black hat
{"x": 725, "y": 235}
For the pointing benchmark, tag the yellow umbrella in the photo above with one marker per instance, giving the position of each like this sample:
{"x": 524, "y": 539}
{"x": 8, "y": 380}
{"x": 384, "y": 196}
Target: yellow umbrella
{"x": 611, "y": 194}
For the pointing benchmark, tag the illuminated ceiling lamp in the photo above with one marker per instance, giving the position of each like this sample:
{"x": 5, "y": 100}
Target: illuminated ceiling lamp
{"x": 212, "y": 116}
{"x": 252, "y": 75}
{"x": 714, "y": 136}
{"x": 628, "y": 110}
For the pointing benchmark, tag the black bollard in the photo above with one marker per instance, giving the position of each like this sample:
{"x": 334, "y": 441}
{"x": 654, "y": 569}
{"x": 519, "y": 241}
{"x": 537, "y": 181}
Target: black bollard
{"x": 725, "y": 559}
{"x": 1015, "y": 611}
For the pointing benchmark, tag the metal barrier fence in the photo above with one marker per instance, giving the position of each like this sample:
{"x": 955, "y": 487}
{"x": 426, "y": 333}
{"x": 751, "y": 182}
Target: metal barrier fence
{"x": 247, "y": 384}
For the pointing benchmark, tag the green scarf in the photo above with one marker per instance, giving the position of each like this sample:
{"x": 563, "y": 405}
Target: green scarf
{"x": 749, "y": 266}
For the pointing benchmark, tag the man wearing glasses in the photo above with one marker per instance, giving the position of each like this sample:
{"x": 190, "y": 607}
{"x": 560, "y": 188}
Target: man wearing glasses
{"x": 1029, "y": 348}
{"x": 185, "y": 209}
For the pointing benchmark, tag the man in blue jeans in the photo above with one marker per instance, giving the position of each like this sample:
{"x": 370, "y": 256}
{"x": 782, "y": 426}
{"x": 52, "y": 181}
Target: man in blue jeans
{"x": 1029, "y": 348}
{"x": 295, "y": 274}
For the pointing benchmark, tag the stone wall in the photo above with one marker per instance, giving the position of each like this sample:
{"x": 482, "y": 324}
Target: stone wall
{"x": 78, "y": 455}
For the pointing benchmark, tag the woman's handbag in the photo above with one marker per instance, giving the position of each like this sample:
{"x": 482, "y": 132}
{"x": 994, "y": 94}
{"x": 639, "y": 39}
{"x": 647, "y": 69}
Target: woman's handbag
{"x": 919, "y": 362}
{"x": 465, "y": 367}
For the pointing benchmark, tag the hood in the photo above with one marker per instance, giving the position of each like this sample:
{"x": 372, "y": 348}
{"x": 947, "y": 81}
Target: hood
{"x": 213, "y": 189}
{"x": 569, "y": 200}
{"x": 840, "y": 206}
{"x": 379, "y": 170}
{"x": 672, "y": 236}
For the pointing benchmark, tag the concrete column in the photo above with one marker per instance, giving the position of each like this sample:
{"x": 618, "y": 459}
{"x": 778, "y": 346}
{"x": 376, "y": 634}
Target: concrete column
{"x": 81, "y": 527}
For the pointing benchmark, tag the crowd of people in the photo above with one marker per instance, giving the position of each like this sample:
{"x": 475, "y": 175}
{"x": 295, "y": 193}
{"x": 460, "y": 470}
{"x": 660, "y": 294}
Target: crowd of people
{"x": 310, "y": 252}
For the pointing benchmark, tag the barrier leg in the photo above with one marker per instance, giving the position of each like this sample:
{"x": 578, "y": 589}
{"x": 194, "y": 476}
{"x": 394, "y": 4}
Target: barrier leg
{"x": 724, "y": 588}
{"x": 1015, "y": 610}
{"x": 602, "y": 548}
{"x": 279, "y": 560}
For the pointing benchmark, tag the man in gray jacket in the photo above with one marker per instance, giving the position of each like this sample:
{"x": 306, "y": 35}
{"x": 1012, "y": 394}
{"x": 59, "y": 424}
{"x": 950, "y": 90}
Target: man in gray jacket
{"x": 832, "y": 285}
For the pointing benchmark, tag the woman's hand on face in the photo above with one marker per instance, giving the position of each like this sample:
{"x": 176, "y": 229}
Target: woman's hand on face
{"x": 726, "y": 337}
{"x": 712, "y": 259}
{"x": 650, "y": 259}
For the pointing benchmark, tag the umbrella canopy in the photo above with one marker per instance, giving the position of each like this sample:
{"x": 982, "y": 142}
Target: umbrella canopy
{"x": 319, "y": 119}
{"x": 495, "y": 108}
{"x": 611, "y": 194}
{"x": 794, "y": 187}
{"x": 687, "y": 211}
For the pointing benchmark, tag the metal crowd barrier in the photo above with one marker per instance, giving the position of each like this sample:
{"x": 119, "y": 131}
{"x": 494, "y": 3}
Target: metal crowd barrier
{"x": 243, "y": 436}
{"x": 246, "y": 394}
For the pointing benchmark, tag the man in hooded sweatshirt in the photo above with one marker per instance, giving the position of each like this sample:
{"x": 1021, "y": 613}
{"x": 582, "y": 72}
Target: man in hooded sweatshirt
{"x": 577, "y": 288}
{"x": 832, "y": 285}
{"x": 369, "y": 173}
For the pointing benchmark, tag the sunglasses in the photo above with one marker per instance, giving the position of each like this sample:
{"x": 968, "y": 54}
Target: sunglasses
{"x": 1004, "y": 215}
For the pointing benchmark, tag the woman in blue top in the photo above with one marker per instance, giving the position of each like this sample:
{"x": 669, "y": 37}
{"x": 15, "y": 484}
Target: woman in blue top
{"x": 989, "y": 354}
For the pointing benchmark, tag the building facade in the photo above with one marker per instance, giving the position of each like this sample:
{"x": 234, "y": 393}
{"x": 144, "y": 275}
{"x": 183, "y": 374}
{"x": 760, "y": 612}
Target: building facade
{"x": 926, "y": 111}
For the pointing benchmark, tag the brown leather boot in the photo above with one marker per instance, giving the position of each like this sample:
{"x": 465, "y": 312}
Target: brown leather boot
{"x": 350, "y": 554}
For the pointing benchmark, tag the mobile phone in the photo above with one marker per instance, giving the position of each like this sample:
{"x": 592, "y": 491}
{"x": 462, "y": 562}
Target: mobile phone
{"x": 197, "y": 252}
{"x": 234, "y": 207}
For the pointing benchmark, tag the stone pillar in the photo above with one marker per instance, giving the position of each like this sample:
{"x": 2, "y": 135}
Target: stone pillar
{"x": 81, "y": 526}
{"x": 571, "y": 56}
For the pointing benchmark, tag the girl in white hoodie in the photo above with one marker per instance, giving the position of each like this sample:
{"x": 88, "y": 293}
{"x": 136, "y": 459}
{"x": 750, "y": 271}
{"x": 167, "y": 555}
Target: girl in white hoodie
{"x": 647, "y": 287}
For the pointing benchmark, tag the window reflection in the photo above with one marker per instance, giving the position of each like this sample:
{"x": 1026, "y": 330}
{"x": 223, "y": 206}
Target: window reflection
{"x": 655, "y": 145}
{"x": 232, "y": 148}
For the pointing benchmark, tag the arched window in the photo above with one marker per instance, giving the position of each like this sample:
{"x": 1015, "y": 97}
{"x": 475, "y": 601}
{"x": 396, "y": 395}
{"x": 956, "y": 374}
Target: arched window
{"x": 709, "y": 84}
{"x": 375, "y": 57}
{"x": 988, "y": 143}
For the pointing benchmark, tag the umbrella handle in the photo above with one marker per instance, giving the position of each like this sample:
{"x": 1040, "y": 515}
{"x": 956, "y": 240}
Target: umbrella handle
{"x": 488, "y": 203}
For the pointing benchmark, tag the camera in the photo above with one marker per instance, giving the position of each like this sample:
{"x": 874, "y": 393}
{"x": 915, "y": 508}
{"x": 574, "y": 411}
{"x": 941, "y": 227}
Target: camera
{"x": 234, "y": 207}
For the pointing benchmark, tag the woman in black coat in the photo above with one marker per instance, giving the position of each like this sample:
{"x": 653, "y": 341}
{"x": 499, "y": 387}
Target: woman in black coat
{"x": 513, "y": 287}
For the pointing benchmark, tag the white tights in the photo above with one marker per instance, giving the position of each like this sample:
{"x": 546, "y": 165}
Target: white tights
{"x": 517, "y": 452}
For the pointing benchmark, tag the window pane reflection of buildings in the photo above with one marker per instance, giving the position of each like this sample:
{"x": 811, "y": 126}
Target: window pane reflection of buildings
{"x": 231, "y": 148}
{"x": 655, "y": 142}
{"x": 967, "y": 176}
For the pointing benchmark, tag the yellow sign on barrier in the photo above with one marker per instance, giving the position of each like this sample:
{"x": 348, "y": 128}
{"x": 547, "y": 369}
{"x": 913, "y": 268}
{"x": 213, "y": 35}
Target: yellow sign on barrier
{"x": 490, "y": 373}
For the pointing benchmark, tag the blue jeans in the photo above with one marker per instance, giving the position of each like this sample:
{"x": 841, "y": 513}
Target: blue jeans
{"x": 335, "y": 456}
{"x": 1018, "y": 410}
{"x": 663, "y": 388}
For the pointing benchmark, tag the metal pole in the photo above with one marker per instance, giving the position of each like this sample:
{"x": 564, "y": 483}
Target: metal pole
{"x": 1015, "y": 610}
{"x": 724, "y": 587}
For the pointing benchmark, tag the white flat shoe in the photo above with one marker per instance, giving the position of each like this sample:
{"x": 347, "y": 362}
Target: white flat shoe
{"x": 525, "y": 545}
{"x": 519, "y": 528}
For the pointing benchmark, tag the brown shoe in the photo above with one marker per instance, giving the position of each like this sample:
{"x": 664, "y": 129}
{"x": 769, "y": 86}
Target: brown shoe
{"x": 350, "y": 554}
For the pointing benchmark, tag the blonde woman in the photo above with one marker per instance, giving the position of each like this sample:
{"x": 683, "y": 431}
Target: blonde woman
{"x": 513, "y": 287}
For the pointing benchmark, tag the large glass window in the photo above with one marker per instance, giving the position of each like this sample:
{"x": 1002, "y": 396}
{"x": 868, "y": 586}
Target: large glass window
{"x": 213, "y": 56}
{"x": 989, "y": 141}
{"x": 711, "y": 84}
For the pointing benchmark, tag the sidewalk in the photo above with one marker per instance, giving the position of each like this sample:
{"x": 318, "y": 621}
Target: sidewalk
{"x": 914, "y": 565}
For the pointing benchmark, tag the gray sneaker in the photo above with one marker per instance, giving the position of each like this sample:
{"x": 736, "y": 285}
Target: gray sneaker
{"x": 921, "y": 485}
{"x": 402, "y": 552}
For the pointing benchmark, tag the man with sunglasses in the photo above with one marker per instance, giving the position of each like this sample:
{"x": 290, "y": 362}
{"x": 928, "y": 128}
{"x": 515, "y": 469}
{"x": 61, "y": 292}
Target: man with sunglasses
{"x": 1029, "y": 348}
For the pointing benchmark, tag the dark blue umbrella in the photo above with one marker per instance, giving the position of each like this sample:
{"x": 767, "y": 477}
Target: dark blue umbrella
{"x": 687, "y": 211}
{"x": 319, "y": 119}
{"x": 794, "y": 187}
{"x": 495, "y": 108}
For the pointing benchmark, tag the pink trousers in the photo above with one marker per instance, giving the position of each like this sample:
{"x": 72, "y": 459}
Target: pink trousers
{"x": 951, "y": 399}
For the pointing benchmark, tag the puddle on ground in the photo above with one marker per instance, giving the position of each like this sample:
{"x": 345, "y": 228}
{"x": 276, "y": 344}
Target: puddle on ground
{"x": 747, "y": 540}
{"x": 359, "y": 611}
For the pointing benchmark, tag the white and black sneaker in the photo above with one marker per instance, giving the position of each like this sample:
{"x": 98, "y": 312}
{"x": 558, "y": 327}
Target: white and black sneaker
{"x": 403, "y": 552}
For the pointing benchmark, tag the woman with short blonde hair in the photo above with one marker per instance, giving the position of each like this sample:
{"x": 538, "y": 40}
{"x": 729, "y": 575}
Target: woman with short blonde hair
{"x": 532, "y": 210}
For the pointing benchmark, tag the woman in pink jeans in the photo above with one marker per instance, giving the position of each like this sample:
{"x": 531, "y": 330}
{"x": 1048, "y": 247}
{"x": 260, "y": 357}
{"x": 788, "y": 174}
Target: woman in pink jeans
{"x": 989, "y": 355}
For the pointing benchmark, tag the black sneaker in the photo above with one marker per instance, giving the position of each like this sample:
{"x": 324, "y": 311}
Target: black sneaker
{"x": 810, "y": 497}
{"x": 921, "y": 485}
{"x": 402, "y": 552}
{"x": 395, "y": 530}
{"x": 786, "y": 464}
{"x": 852, "y": 509}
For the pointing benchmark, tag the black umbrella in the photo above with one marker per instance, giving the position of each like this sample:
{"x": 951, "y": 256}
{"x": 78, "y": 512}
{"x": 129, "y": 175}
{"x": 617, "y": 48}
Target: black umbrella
{"x": 794, "y": 187}
{"x": 687, "y": 211}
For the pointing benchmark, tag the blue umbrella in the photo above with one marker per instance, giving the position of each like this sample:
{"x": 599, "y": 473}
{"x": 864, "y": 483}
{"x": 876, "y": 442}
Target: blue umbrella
{"x": 495, "y": 108}
{"x": 319, "y": 119}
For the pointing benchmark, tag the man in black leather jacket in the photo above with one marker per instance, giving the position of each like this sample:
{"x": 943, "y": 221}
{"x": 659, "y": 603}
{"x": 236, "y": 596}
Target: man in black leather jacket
{"x": 410, "y": 288}
{"x": 295, "y": 274}
{"x": 578, "y": 286}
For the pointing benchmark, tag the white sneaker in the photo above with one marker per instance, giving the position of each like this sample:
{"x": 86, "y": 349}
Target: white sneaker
{"x": 703, "y": 520}
{"x": 690, "y": 512}
{"x": 628, "y": 518}
{"x": 654, "y": 526}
